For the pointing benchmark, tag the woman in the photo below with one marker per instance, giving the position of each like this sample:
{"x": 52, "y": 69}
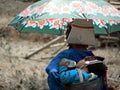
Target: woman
{"x": 77, "y": 51}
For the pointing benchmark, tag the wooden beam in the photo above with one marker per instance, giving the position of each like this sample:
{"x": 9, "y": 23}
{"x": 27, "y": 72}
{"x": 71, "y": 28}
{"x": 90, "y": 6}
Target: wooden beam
{"x": 45, "y": 46}
{"x": 114, "y": 3}
{"x": 117, "y": 6}
{"x": 58, "y": 44}
{"x": 59, "y": 49}
{"x": 109, "y": 37}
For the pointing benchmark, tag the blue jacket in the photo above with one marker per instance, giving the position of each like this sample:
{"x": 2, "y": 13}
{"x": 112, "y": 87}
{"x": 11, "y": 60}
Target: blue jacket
{"x": 52, "y": 68}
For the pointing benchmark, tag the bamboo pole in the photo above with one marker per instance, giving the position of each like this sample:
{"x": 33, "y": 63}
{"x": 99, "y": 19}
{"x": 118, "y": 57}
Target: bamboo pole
{"x": 44, "y": 46}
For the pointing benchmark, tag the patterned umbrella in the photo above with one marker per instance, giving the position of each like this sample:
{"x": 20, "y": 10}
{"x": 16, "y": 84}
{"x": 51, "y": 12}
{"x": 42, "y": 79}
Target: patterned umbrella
{"x": 106, "y": 27}
{"x": 51, "y": 16}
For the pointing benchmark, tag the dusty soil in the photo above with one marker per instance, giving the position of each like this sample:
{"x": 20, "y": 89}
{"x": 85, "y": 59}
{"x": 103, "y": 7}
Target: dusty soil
{"x": 17, "y": 73}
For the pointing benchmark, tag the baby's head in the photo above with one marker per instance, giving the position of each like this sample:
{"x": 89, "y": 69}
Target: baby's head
{"x": 97, "y": 68}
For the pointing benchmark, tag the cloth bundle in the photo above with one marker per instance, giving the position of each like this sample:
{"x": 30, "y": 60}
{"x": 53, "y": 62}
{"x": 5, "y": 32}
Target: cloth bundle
{"x": 69, "y": 74}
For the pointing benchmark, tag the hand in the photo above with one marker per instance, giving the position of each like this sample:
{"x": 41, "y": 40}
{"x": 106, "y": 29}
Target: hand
{"x": 80, "y": 63}
{"x": 63, "y": 63}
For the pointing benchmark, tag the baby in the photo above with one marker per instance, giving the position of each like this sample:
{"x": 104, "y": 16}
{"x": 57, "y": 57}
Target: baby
{"x": 72, "y": 73}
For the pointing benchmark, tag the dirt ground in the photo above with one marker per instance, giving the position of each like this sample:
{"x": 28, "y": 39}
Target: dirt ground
{"x": 17, "y": 73}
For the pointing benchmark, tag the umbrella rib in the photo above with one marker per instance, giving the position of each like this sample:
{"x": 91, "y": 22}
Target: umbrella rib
{"x": 40, "y": 16}
{"x": 23, "y": 27}
{"x": 107, "y": 31}
{"x": 60, "y": 31}
{"x": 82, "y": 15}
{"x": 17, "y": 25}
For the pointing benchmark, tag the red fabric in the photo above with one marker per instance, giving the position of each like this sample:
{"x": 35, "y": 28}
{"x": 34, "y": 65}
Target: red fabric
{"x": 105, "y": 75}
{"x": 90, "y": 58}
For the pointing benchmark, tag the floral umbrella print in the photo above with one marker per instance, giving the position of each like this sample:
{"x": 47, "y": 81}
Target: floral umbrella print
{"x": 51, "y": 16}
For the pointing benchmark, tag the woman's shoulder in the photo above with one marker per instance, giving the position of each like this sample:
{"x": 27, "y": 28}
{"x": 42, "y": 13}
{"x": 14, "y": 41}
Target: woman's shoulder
{"x": 68, "y": 51}
{"x": 74, "y": 50}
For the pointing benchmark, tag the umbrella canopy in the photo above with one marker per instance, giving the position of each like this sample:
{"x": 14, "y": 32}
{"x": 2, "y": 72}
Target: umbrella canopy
{"x": 106, "y": 28}
{"x": 51, "y": 16}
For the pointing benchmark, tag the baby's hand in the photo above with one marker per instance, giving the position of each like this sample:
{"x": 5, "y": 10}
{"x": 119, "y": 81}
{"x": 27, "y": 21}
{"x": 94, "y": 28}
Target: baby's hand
{"x": 63, "y": 63}
{"x": 80, "y": 64}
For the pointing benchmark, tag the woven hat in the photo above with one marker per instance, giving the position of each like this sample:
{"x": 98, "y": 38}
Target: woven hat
{"x": 82, "y": 33}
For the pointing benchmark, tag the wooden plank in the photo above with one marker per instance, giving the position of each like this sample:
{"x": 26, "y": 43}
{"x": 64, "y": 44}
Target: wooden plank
{"x": 48, "y": 57}
{"x": 108, "y": 41}
{"x": 117, "y": 6}
{"x": 59, "y": 49}
{"x": 109, "y": 37}
{"x": 114, "y": 3}
{"x": 45, "y": 46}
{"x": 58, "y": 44}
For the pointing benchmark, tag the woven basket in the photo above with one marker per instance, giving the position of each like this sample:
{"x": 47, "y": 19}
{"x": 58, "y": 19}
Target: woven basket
{"x": 90, "y": 85}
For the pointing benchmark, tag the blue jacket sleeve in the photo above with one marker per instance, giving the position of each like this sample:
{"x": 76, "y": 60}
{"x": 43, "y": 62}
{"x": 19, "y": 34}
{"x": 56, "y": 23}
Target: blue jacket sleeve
{"x": 68, "y": 76}
{"x": 52, "y": 68}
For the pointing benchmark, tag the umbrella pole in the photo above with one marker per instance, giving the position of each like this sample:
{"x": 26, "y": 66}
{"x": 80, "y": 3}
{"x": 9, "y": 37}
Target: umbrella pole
{"x": 106, "y": 45}
{"x": 44, "y": 46}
